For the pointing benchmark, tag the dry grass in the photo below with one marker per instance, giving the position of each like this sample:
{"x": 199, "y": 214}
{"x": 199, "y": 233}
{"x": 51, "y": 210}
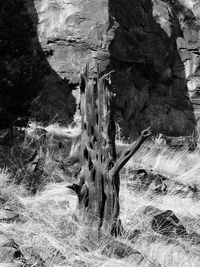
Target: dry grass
{"x": 49, "y": 227}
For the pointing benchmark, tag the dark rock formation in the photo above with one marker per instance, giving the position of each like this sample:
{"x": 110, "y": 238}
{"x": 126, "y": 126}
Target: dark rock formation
{"x": 8, "y": 215}
{"x": 166, "y": 223}
{"x": 9, "y": 251}
{"x": 188, "y": 142}
{"x": 121, "y": 250}
{"x": 152, "y": 45}
{"x": 133, "y": 235}
{"x": 29, "y": 86}
{"x": 151, "y": 80}
{"x": 143, "y": 180}
{"x": 74, "y": 187}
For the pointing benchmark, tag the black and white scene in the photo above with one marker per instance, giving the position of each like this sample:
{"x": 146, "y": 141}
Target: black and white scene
{"x": 99, "y": 133}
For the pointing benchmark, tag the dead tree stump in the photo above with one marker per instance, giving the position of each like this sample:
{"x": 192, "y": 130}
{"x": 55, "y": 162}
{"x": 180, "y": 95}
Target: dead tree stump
{"x": 99, "y": 180}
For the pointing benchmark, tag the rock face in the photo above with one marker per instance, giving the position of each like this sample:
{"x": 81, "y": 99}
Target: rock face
{"x": 166, "y": 223}
{"x": 151, "y": 49}
{"x": 10, "y": 251}
{"x": 152, "y": 45}
{"x": 29, "y": 85}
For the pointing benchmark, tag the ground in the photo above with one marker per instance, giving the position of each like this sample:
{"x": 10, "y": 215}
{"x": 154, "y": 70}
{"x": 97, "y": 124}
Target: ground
{"x": 45, "y": 225}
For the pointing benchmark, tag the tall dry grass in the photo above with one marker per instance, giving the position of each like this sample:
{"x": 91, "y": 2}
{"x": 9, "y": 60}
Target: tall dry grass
{"x": 49, "y": 227}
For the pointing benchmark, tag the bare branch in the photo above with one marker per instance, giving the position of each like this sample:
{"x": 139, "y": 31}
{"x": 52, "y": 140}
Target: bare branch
{"x": 129, "y": 152}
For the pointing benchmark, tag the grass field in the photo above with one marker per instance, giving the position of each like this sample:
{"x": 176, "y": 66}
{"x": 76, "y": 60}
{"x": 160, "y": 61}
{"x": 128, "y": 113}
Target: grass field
{"x": 49, "y": 233}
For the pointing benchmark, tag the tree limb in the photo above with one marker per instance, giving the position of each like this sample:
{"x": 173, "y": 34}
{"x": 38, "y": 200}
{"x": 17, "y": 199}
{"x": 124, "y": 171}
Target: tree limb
{"x": 129, "y": 152}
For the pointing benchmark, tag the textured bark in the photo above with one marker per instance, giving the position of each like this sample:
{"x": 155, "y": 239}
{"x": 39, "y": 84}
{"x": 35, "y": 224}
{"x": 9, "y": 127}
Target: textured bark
{"x": 99, "y": 182}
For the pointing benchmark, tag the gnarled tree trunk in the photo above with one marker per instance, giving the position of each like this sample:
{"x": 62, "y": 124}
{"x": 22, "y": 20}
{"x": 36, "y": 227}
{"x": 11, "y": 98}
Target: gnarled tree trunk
{"x": 99, "y": 181}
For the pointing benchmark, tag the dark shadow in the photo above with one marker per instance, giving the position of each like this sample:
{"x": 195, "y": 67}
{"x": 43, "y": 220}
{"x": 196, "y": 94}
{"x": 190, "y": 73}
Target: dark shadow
{"x": 28, "y": 84}
{"x": 149, "y": 74}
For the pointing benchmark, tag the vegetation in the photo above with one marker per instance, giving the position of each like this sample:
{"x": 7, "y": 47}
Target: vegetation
{"x": 49, "y": 232}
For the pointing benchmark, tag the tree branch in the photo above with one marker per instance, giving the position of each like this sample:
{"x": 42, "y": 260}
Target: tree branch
{"x": 129, "y": 152}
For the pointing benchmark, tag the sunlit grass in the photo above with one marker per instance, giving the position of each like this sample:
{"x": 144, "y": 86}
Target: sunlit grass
{"x": 49, "y": 226}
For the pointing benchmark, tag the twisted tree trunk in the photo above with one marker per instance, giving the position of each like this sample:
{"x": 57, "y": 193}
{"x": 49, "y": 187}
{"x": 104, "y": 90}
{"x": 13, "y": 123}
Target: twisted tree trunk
{"x": 99, "y": 181}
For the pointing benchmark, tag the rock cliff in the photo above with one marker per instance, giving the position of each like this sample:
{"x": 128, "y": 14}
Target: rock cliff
{"x": 28, "y": 83}
{"x": 152, "y": 46}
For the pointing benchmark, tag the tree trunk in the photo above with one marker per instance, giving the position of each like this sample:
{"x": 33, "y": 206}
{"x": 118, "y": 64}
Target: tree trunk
{"x": 99, "y": 181}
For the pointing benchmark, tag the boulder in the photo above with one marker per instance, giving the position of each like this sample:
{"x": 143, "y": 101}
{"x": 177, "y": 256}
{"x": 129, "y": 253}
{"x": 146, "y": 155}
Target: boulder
{"x": 133, "y": 235}
{"x": 144, "y": 180}
{"x": 181, "y": 141}
{"x": 8, "y": 215}
{"x": 9, "y": 251}
{"x": 150, "y": 219}
{"x": 168, "y": 224}
{"x": 156, "y": 183}
{"x": 121, "y": 250}
{"x": 194, "y": 238}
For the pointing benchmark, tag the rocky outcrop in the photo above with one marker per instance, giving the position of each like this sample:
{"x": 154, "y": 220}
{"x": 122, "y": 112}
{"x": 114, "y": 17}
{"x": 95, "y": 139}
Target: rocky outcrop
{"x": 28, "y": 84}
{"x": 166, "y": 223}
{"x": 150, "y": 59}
{"x": 143, "y": 180}
{"x": 10, "y": 251}
{"x": 162, "y": 222}
{"x": 152, "y": 46}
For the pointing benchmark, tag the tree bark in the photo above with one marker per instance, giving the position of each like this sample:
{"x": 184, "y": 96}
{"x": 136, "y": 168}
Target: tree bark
{"x": 99, "y": 180}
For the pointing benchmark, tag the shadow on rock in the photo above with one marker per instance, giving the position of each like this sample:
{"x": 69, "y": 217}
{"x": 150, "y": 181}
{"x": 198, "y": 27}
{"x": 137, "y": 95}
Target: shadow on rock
{"x": 148, "y": 59}
{"x": 29, "y": 86}
{"x": 167, "y": 223}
